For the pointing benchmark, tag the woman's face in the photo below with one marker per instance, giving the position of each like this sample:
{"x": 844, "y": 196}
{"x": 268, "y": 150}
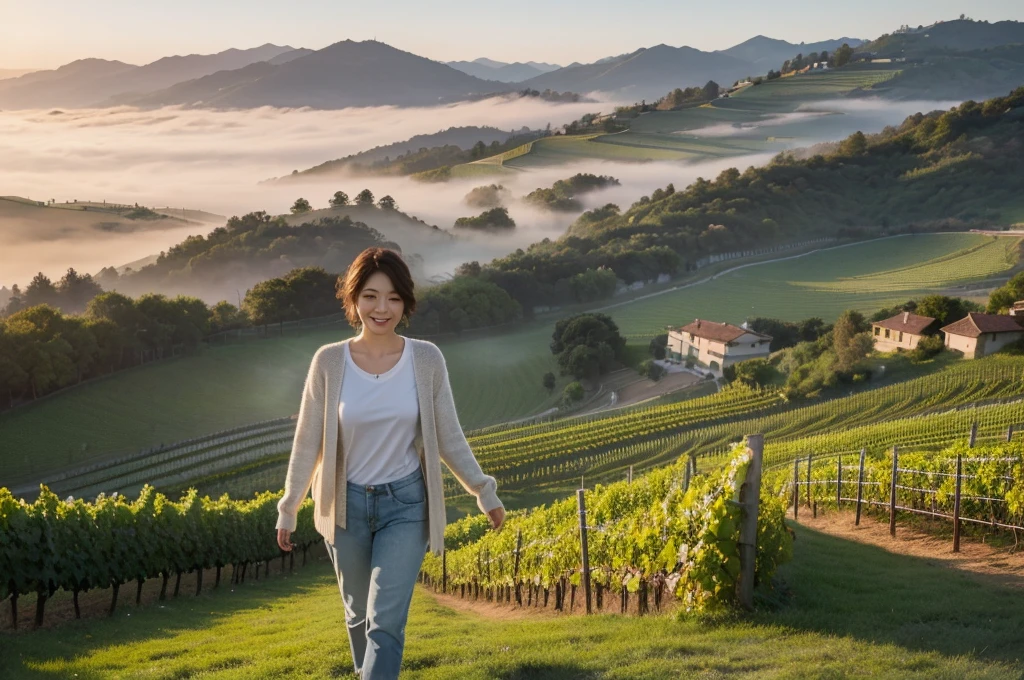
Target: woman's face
{"x": 378, "y": 300}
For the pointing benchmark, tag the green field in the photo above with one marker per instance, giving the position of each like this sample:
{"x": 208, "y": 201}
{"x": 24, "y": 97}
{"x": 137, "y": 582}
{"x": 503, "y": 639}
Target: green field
{"x": 865, "y": 276}
{"x": 228, "y": 386}
{"x": 851, "y": 611}
{"x": 495, "y": 378}
{"x": 675, "y": 135}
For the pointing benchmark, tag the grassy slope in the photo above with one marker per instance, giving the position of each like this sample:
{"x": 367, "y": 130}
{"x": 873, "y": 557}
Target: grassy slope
{"x": 853, "y": 611}
{"x": 823, "y": 284}
{"x": 235, "y": 385}
{"x": 662, "y": 135}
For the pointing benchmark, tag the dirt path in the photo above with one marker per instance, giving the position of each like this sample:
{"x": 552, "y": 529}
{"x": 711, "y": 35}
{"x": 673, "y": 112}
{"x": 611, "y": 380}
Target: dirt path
{"x": 988, "y": 563}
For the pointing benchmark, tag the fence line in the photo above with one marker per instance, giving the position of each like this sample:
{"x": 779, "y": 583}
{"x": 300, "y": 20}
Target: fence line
{"x": 918, "y": 487}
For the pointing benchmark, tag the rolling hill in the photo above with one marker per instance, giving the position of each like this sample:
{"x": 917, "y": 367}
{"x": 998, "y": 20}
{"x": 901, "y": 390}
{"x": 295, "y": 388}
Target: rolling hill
{"x": 959, "y": 35}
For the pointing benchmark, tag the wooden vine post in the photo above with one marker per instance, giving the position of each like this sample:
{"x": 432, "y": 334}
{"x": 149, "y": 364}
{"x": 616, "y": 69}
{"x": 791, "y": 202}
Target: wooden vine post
{"x": 585, "y": 576}
{"x": 892, "y": 492}
{"x": 810, "y": 493}
{"x": 956, "y": 504}
{"x": 750, "y": 499}
{"x": 839, "y": 482}
{"x": 796, "y": 486}
{"x": 860, "y": 485}
{"x": 515, "y": 568}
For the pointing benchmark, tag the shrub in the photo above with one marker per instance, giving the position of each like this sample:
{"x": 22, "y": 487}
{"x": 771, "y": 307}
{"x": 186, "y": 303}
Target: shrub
{"x": 928, "y": 347}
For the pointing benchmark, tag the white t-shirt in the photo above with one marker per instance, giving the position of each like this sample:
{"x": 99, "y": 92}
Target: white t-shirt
{"x": 378, "y": 421}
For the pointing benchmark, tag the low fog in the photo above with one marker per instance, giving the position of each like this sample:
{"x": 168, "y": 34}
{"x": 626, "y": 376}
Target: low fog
{"x": 214, "y": 161}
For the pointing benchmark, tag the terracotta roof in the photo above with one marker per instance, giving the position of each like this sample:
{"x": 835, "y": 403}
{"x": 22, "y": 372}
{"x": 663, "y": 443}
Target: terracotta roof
{"x": 975, "y": 324}
{"x": 907, "y": 322}
{"x": 719, "y": 332}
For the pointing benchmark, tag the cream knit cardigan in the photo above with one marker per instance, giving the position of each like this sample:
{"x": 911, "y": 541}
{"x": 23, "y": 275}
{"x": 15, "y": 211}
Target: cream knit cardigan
{"x": 439, "y": 437}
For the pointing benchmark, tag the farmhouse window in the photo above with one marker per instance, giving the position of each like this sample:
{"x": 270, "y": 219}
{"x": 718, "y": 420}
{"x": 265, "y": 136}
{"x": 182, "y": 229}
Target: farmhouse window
{"x": 887, "y": 333}
{"x": 878, "y": 330}
{"x": 901, "y": 336}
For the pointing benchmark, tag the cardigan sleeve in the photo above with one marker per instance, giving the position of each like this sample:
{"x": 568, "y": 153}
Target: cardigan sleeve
{"x": 454, "y": 448}
{"x": 306, "y": 447}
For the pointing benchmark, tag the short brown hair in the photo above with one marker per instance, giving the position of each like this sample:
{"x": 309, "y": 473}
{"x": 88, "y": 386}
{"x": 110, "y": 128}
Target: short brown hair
{"x": 366, "y": 264}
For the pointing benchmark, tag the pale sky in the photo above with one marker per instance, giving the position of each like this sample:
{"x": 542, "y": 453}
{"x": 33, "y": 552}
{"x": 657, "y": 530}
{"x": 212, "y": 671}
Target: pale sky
{"x": 48, "y": 33}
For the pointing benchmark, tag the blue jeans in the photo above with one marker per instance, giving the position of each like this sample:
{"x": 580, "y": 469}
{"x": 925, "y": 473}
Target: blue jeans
{"x": 376, "y": 559}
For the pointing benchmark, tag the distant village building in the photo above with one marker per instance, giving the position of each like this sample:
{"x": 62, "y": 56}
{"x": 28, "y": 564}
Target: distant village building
{"x": 716, "y": 345}
{"x": 902, "y": 331}
{"x": 977, "y": 335}
{"x": 1017, "y": 309}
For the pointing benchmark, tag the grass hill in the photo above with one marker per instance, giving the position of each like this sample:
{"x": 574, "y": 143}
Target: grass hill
{"x": 943, "y": 168}
{"x": 25, "y": 219}
{"x": 87, "y": 82}
{"x": 751, "y": 121}
{"x": 347, "y": 73}
{"x": 958, "y": 35}
{"x": 259, "y": 246}
{"x": 416, "y": 154}
{"x": 945, "y": 75}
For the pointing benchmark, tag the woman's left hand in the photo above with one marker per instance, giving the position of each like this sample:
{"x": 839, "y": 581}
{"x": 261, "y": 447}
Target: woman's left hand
{"x": 497, "y": 516}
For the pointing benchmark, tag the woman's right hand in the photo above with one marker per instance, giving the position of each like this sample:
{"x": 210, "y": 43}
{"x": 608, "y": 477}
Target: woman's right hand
{"x": 284, "y": 539}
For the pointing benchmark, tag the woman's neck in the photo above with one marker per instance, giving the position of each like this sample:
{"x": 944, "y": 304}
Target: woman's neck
{"x": 379, "y": 346}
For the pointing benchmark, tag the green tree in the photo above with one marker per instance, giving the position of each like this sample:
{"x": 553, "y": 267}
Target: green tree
{"x": 549, "y": 381}
{"x": 851, "y": 340}
{"x": 658, "y": 346}
{"x": 364, "y": 198}
{"x": 854, "y": 145}
{"x": 1002, "y": 298}
{"x": 387, "y": 203}
{"x": 842, "y": 55}
{"x": 268, "y": 302}
{"x": 573, "y": 392}
{"x": 41, "y": 291}
{"x": 300, "y": 206}
{"x": 75, "y": 291}
{"x": 339, "y": 200}
{"x": 944, "y": 309}
{"x": 710, "y": 90}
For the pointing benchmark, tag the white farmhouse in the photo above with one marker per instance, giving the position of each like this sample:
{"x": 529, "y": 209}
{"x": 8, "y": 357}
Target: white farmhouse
{"x": 716, "y": 345}
{"x": 977, "y": 335}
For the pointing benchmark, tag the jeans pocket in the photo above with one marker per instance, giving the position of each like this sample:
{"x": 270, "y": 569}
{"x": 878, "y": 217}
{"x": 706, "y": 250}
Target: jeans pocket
{"x": 410, "y": 494}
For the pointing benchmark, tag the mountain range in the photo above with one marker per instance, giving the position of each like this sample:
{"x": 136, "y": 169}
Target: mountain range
{"x": 488, "y": 69}
{"x": 88, "y": 82}
{"x": 769, "y": 53}
{"x": 371, "y": 73}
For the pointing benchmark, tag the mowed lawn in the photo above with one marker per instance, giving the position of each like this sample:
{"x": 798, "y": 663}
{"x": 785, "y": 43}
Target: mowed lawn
{"x": 495, "y": 378}
{"x": 846, "y": 611}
